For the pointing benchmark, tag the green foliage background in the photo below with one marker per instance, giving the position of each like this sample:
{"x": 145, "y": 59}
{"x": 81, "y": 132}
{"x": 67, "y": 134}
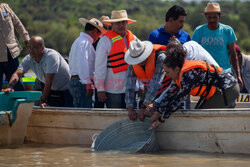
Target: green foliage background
{"x": 57, "y": 20}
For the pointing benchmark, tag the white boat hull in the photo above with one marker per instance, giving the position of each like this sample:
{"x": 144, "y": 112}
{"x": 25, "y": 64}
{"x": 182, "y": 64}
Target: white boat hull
{"x": 209, "y": 131}
{"x": 224, "y": 131}
{"x": 69, "y": 126}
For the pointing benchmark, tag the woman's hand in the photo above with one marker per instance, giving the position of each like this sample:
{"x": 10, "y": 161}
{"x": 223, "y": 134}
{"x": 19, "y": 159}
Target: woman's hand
{"x": 155, "y": 123}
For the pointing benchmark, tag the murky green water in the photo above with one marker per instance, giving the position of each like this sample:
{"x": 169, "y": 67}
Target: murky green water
{"x": 47, "y": 155}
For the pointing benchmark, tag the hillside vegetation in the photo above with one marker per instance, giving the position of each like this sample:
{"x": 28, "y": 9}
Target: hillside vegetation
{"x": 57, "y": 20}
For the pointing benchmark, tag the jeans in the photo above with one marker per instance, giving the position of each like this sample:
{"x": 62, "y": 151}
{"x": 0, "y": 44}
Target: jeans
{"x": 8, "y": 68}
{"x": 68, "y": 99}
{"x": 78, "y": 92}
{"x": 115, "y": 100}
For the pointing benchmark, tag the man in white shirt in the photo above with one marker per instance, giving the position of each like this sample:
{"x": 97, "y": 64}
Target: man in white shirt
{"x": 82, "y": 61}
{"x": 110, "y": 67}
{"x": 196, "y": 52}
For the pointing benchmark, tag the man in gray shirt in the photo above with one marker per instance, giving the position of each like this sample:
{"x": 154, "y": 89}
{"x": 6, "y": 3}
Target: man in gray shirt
{"x": 50, "y": 68}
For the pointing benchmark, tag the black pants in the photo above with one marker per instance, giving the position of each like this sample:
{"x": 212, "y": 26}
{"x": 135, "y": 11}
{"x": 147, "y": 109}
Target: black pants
{"x": 217, "y": 100}
{"x": 55, "y": 98}
{"x": 8, "y": 68}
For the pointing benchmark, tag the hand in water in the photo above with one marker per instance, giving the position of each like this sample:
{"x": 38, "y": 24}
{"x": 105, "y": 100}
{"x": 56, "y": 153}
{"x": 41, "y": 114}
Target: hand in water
{"x": 155, "y": 124}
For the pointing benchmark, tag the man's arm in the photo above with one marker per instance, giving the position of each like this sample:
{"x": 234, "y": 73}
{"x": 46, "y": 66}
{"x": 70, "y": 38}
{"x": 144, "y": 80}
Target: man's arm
{"x": 130, "y": 88}
{"x": 130, "y": 93}
{"x": 85, "y": 71}
{"x": 47, "y": 88}
{"x": 102, "y": 51}
{"x": 156, "y": 81}
{"x": 13, "y": 80}
{"x": 235, "y": 63}
{"x": 19, "y": 26}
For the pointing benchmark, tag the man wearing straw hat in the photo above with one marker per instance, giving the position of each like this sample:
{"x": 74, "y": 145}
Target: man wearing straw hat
{"x": 105, "y": 25}
{"x": 110, "y": 67}
{"x": 146, "y": 63}
{"x": 82, "y": 61}
{"x": 218, "y": 39}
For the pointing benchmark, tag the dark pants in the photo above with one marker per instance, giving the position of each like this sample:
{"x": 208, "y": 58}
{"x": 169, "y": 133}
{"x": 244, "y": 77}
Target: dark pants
{"x": 55, "y": 98}
{"x": 217, "y": 100}
{"x": 8, "y": 68}
{"x": 115, "y": 100}
{"x": 60, "y": 99}
{"x": 97, "y": 103}
{"x": 244, "y": 90}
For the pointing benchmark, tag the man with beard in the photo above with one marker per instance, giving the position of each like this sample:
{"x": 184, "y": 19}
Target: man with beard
{"x": 175, "y": 18}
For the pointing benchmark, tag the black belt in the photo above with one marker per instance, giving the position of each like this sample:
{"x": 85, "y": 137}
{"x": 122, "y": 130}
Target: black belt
{"x": 74, "y": 77}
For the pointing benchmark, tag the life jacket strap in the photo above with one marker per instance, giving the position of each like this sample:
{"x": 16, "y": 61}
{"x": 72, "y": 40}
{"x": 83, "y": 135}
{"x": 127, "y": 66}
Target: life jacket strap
{"x": 209, "y": 86}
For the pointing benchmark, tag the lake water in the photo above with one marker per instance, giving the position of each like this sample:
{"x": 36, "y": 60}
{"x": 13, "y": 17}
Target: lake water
{"x": 30, "y": 155}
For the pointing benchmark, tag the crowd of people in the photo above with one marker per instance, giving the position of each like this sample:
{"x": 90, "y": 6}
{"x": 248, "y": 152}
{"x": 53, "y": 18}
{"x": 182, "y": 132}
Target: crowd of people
{"x": 109, "y": 62}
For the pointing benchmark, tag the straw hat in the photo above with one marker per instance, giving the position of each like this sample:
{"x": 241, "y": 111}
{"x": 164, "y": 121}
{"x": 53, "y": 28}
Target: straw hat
{"x": 138, "y": 51}
{"x": 104, "y": 18}
{"x": 212, "y": 8}
{"x": 94, "y": 22}
{"x": 117, "y": 16}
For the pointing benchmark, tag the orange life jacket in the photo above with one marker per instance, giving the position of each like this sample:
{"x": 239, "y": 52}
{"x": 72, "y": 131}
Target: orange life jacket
{"x": 203, "y": 89}
{"x": 146, "y": 75}
{"x": 116, "y": 56}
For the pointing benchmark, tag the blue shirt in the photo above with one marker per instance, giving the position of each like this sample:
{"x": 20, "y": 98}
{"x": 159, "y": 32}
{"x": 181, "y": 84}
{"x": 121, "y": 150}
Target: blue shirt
{"x": 216, "y": 42}
{"x": 160, "y": 36}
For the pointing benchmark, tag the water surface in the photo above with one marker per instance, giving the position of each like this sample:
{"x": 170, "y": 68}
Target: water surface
{"x": 51, "y": 155}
